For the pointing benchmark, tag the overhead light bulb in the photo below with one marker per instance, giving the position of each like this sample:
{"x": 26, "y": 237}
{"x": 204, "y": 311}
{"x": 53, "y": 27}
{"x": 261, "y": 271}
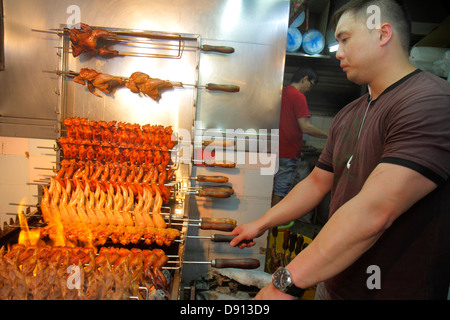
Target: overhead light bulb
{"x": 333, "y": 47}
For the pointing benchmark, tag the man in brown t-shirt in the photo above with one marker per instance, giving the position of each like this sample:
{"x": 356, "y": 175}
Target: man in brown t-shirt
{"x": 387, "y": 164}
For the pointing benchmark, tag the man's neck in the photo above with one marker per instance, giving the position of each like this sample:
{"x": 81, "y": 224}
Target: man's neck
{"x": 388, "y": 76}
{"x": 297, "y": 86}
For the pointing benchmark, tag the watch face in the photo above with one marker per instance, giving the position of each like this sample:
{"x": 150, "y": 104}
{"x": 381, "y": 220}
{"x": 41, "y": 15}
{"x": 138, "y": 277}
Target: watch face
{"x": 281, "y": 279}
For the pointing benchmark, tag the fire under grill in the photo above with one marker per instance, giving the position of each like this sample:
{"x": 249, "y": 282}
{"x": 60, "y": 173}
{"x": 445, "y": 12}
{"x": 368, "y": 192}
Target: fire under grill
{"x": 115, "y": 270}
{"x": 31, "y": 267}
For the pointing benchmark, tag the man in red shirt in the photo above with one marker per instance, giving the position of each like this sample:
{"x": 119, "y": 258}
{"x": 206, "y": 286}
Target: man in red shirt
{"x": 294, "y": 121}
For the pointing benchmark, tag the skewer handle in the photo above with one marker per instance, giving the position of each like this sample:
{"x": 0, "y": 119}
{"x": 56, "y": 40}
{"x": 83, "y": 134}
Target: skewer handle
{"x": 220, "y": 164}
{"x": 219, "y": 49}
{"x": 215, "y": 179}
{"x": 246, "y": 263}
{"x": 217, "y": 237}
{"x": 222, "y": 87}
{"x": 220, "y": 224}
{"x": 214, "y": 193}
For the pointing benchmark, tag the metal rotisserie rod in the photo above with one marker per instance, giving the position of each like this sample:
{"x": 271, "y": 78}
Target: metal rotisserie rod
{"x": 217, "y": 238}
{"x": 243, "y": 263}
{"x": 208, "y": 86}
{"x": 203, "y": 178}
{"x": 121, "y": 37}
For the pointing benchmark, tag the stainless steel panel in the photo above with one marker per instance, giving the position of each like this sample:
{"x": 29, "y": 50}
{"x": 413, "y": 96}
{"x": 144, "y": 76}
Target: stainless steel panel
{"x": 256, "y": 28}
{"x": 257, "y": 69}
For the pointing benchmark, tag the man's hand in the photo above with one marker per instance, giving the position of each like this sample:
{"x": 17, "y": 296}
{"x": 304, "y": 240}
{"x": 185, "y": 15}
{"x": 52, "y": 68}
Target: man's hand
{"x": 271, "y": 293}
{"x": 247, "y": 231}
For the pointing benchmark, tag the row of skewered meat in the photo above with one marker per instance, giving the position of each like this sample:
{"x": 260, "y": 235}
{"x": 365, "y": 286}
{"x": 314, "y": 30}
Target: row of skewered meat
{"x": 106, "y": 151}
{"x": 102, "y": 141}
{"x": 62, "y": 206}
{"x": 119, "y": 132}
{"x": 138, "y": 82}
{"x": 65, "y": 273}
{"x": 89, "y": 235}
{"x": 96, "y": 175}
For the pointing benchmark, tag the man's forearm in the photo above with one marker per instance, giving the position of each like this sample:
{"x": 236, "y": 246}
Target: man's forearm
{"x": 307, "y": 127}
{"x": 343, "y": 239}
{"x": 315, "y": 132}
{"x": 303, "y": 198}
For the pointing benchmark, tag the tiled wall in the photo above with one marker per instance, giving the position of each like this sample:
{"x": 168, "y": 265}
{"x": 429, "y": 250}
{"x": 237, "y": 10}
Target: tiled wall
{"x": 20, "y": 163}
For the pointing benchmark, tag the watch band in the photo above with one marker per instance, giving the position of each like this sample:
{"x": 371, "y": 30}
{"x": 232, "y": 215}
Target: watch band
{"x": 295, "y": 291}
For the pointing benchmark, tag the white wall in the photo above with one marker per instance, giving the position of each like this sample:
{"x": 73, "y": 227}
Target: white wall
{"x": 19, "y": 158}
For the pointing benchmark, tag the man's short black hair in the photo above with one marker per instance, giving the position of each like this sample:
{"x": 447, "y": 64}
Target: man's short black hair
{"x": 305, "y": 71}
{"x": 392, "y": 11}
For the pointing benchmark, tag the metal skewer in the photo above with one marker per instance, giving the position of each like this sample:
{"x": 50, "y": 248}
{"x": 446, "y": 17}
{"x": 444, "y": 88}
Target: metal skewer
{"x": 243, "y": 263}
{"x": 138, "y": 54}
{"x": 208, "y": 86}
{"x": 121, "y": 36}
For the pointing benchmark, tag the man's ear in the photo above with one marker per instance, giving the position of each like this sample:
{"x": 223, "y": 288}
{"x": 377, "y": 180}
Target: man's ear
{"x": 385, "y": 34}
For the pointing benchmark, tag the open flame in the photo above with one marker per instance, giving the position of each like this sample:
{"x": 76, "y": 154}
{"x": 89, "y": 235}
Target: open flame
{"x": 26, "y": 237}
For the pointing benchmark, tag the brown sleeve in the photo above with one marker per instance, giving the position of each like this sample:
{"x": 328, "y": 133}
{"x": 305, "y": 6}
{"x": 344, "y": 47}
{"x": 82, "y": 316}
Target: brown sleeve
{"x": 418, "y": 137}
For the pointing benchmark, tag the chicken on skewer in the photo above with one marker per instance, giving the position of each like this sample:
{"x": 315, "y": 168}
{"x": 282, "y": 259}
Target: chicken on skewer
{"x": 85, "y": 39}
{"x": 118, "y": 203}
{"x": 45, "y": 206}
{"x": 148, "y": 200}
{"x": 158, "y": 220}
{"x": 109, "y": 211}
{"x": 102, "y": 81}
{"x": 152, "y": 87}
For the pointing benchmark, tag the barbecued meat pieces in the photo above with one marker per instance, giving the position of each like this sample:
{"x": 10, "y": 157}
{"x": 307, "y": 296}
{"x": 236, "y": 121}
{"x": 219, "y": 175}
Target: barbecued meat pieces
{"x": 152, "y": 87}
{"x": 85, "y": 40}
{"x": 31, "y": 272}
{"x": 138, "y": 82}
{"x": 102, "y": 81}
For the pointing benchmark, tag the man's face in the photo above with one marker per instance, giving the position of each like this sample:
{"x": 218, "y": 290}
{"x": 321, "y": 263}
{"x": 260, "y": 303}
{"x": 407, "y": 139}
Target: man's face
{"x": 308, "y": 84}
{"x": 357, "y": 49}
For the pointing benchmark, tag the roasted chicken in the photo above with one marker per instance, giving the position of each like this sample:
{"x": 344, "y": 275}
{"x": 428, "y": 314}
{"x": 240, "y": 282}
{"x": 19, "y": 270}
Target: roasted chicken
{"x": 152, "y": 87}
{"x": 85, "y": 40}
{"x": 102, "y": 81}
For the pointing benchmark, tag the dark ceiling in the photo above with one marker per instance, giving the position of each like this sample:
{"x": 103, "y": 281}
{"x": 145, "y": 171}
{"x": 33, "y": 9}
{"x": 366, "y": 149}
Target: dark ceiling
{"x": 430, "y": 22}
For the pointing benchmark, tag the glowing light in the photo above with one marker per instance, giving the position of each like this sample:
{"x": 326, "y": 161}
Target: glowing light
{"x": 333, "y": 47}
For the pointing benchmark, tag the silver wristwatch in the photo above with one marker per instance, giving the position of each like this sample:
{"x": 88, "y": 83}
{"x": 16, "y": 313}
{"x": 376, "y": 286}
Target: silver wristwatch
{"x": 282, "y": 281}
